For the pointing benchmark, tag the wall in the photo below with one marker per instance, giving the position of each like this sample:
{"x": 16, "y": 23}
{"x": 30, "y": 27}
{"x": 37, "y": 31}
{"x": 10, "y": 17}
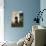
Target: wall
{"x": 29, "y": 8}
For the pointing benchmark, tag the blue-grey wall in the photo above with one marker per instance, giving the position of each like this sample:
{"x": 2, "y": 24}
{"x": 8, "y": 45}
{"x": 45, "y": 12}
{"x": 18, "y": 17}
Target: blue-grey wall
{"x": 29, "y": 8}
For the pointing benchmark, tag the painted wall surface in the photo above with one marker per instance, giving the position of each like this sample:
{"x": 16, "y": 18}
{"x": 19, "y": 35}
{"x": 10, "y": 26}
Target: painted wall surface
{"x": 29, "y": 8}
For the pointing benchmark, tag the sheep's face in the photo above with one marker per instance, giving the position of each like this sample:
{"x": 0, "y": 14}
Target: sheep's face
{"x": 28, "y": 36}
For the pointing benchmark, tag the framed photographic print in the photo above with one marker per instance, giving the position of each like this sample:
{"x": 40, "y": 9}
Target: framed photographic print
{"x": 17, "y": 19}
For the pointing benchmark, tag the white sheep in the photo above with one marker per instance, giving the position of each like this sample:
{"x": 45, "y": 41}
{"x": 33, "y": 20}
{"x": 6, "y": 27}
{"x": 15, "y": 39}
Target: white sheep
{"x": 28, "y": 39}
